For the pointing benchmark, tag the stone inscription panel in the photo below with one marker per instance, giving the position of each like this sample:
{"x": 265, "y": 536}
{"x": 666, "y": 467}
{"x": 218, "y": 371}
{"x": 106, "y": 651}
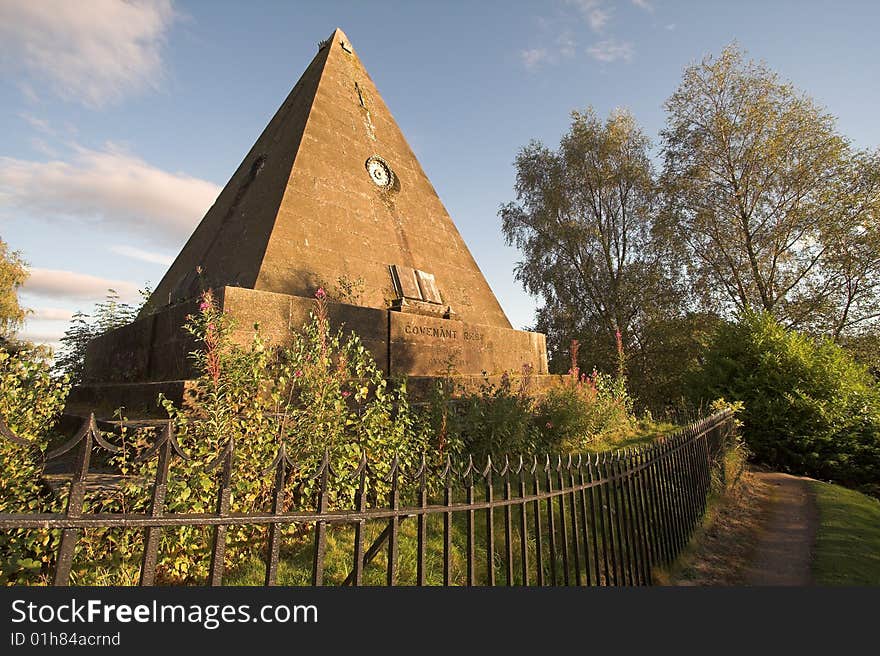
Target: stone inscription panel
{"x": 424, "y": 346}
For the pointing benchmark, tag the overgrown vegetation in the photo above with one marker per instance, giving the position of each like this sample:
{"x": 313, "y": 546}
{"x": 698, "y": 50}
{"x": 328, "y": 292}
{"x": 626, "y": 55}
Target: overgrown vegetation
{"x": 321, "y": 393}
{"x": 13, "y": 273}
{"x": 809, "y": 408}
{"x": 30, "y": 403}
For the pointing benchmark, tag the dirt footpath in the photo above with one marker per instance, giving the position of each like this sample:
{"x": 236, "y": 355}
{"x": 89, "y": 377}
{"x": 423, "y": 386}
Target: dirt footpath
{"x": 783, "y": 552}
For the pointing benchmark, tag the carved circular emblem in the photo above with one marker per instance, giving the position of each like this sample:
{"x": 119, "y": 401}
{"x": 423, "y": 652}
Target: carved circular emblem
{"x": 380, "y": 173}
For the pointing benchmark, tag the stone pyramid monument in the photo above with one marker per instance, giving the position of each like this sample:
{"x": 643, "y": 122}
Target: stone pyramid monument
{"x": 332, "y": 196}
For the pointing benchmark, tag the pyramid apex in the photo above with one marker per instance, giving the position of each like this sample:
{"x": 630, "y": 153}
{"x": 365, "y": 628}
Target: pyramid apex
{"x": 338, "y": 37}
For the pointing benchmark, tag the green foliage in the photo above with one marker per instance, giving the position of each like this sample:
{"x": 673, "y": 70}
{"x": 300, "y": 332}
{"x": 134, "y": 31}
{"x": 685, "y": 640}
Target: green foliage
{"x": 491, "y": 420}
{"x": 584, "y": 219}
{"x": 865, "y": 349}
{"x": 13, "y": 273}
{"x": 321, "y": 393}
{"x": 809, "y": 408}
{"x": 508, "y": 418}
{"x": 847, "y": 549}
{"x": 576, "y": 414}
{"x": 772, "y": 208}
{"x": 30, "y": 402}
{"x": 107, "y": 315}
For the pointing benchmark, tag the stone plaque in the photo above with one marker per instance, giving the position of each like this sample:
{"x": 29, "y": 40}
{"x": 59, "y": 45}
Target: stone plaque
{"x": 405, "y": 283}
{"x": 428, "y": 287}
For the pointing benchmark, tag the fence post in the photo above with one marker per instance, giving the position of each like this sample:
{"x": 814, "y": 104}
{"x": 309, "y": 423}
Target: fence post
{"x": 357, "y": 569}
{"x": 508, "y": 523}
{"x": 469, "y": 484}
{"x": 157, "y": 509}
{"x": 394, "y": 524}
{"x": 576, "y": 540}
{"x": 75, "y": 499}
{"x": 523, "y": 524}
{"x": 421, "y": 575}
{"x": 447, "y": 521}
{"x": 539, "y": 547}
{"x": 320, "y": 527}
{"x": 218, "y": 551}
{"x": 490, "y": 524}
{"x": 563, "y": 523}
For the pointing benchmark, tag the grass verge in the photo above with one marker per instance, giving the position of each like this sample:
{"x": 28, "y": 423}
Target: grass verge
{"x": 847, "y": 549}
{"x": 720, "y": 548}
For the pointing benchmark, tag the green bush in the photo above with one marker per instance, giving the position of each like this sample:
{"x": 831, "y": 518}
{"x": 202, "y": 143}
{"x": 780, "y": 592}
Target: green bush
{"x": 323, "y": 392}
{"x": 30, "y": 403}
{"x": 492, "y": 420}
{"x": 573, "y": 415}
{"x": 809, "y": 408}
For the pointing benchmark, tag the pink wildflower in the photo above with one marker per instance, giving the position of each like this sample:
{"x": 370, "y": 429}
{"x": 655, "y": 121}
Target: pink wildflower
{"x": 320, "y": 294}
{"x": 298, "y": 373}
{"x": 549, "y": 424}
{"x": 346, "y": 394}
{"x": 204, "y": 305}
{"x": 211, "y": 327}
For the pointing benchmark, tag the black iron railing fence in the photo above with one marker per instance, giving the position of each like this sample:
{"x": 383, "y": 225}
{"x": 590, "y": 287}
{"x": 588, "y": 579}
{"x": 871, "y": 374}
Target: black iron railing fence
{"x": 591, "y": 519}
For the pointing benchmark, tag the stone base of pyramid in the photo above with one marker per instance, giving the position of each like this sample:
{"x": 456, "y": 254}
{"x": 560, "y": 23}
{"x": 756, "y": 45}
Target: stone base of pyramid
{"x": 129, "y": 366}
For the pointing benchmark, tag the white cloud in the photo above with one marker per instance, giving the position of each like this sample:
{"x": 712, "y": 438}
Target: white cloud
{"x": 611, "y": 50}
{"x": 110, "y": 187}
{"x": 37, "y": 123}
{"x": 534, "y": 57}
{"x": 52, "y": 314}
{"x": 145, "y": 256}
{"x": 670, "y": 27}
{"x": 594, "y": 12}
{"x": 644, "y": 4}
{"x": 567, "y": 44}
{"x": 95, "y": 53}
{"x": 69, "y": 285}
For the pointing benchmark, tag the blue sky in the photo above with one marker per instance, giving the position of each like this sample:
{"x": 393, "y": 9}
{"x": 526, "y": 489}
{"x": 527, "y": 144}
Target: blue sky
{"x": 121, "y": 121}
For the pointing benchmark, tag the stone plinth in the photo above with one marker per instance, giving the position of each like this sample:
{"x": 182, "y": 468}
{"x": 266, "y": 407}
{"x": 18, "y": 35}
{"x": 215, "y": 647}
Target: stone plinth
{"x": 129, "y": 366}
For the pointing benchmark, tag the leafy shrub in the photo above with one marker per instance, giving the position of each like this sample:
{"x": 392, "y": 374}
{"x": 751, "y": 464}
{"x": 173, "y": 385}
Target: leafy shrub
{"x": 573, "y": 415}
{"x": 490, "y": 420}
{"x": 322, "y": 393}
{"x": 509, "y": 418}
{"x": 30, "y": 402}
{"x": 809, "y": 408}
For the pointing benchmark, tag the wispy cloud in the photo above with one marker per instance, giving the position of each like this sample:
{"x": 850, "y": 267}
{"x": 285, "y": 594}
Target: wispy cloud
{"x": 144, "y": 256}
{"x": 644, "y": 4}
{"x": 534, "y": 57}
{"x": 566, "y": 44}
{"x": 611, "y": 50}
{"x": 39, "y": 124}
{"x": 595, "y": 12}
{"x": 69, "y": 285}
{"x": 95, "y": 53}
{"x": 110, "y": 187}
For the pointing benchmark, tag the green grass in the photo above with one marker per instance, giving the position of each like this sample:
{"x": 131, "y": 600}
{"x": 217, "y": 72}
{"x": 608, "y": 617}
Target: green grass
{"x": 641, "y": 433}
{"x": 847, "y": 550}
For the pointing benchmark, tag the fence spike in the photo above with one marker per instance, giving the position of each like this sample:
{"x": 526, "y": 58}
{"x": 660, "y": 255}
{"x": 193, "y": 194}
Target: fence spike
{"x": 447, "y": 469}
{"x": 469, "y": 469}
{"x": 8, "y": 435}
{"x": 96, "y": 434}
{"x": 64, "y": 448}
{"x": 488, "y": 467}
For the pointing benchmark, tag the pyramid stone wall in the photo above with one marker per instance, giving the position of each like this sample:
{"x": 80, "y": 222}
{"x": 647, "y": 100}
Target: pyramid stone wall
{"x": 303, "y": 210}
